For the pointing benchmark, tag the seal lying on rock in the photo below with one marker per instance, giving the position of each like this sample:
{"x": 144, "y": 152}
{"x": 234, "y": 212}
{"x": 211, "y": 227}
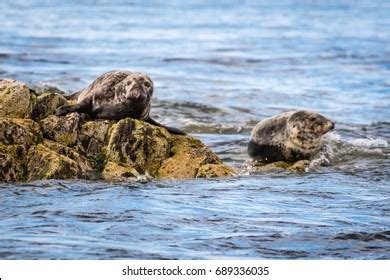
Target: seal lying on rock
{"x": 291, "y": 136}
{"x": 116, "y": 95}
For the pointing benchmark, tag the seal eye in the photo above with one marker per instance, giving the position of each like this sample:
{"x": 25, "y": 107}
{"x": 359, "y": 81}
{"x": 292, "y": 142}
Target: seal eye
{"x": 147, "y": 84}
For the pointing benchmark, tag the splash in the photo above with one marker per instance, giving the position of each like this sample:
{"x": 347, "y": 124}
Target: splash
{"x": 369, "y": 142}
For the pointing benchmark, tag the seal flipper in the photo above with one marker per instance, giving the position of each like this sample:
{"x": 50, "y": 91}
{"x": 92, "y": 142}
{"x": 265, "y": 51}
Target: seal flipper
{"x": 264, "y": 153}
{"x": 80, "y": 108}
{"x": 170, "y": 129}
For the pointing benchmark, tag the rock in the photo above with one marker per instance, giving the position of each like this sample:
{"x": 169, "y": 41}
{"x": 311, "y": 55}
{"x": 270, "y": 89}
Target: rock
{"x": 119, "y": 172}
{"x": 15, "y": 99}
{"x": 10, "y": 170}
{"x": 16, "y": 138}
{"x": 44, "y": 163}
{"x": 46, "y": 104}
{"x": 188, "y": 155}
{"x": 23, "y": 132}
{"x": 92, "y": 138}
{"x": 215, "y": 170}
{"x": 85, "y": 165}
{"x": 35, "y": 145}
{"x": 138, "y": 144}
{"x": 63, "y": 130}
{"x": 256, "y": 167}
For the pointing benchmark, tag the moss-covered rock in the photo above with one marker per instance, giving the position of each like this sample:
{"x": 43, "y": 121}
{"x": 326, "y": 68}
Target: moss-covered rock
{"x": 10, "y": 169}
{"x": 45, "y": 163}
{"x": 92, "y": 138}
{"x": 119, "y": 172}
{"x": 15, "y": 99}
{"x": 23, "y": 132}
{"x": 256, "y": 167}
{"x": 187, "y": 156}
{"x": 138, "y": 144}
{"x": 63, "y": 130}
{"x": 70, "y": 147}
{"x": 44, "y": 146}
{"x": 85, "y": 165}
{"x": 46, "y": 104}
{"x": 214, "y": 170}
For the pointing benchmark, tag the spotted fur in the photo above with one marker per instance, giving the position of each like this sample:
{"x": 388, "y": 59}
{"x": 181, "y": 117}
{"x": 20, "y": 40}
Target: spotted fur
{"x": 290, "y": 136}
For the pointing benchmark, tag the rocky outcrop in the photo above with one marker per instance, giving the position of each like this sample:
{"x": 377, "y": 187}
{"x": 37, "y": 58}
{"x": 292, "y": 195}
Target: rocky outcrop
{"x": 35, "y": 144}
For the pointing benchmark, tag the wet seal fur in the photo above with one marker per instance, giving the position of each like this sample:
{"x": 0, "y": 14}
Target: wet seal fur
{"x": 290, "y": 137}
{"x": 116, "y": 95}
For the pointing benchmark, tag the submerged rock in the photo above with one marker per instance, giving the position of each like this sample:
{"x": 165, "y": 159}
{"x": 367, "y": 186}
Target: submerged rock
{"x": 44, "y": 146}
{"x": 252, "y": 166}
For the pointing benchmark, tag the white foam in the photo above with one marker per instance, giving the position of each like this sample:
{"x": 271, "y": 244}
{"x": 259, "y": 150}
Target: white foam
{"x": 332, "y": 136}
{"x": 368, "y": 143}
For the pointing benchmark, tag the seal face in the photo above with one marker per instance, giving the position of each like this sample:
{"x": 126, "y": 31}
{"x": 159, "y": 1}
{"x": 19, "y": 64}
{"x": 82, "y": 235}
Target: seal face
{"x": 291, "y": 136}
{"x": 116, "y": 95}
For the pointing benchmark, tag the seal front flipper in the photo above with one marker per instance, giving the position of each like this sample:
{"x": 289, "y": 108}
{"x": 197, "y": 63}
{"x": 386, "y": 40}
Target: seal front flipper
{"x": 172, "y": 130}
{"x": 82, "y": 107}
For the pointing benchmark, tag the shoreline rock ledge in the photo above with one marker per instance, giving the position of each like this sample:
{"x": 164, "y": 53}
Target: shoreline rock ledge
{"x": 36, "y": 145}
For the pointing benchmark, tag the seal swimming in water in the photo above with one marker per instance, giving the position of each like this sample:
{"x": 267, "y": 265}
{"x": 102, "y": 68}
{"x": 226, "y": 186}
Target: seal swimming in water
{"x": 291, "y": 136}
{"x": 116, "y": 95}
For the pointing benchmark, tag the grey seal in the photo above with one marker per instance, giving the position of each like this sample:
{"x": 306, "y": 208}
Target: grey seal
{"x": 116, "y": 95}
{"x": 290, "y": 136}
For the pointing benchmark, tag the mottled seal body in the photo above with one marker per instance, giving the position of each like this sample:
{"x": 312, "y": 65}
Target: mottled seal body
{"x": 116, "y": 95}
{"x": 291, "y": 136}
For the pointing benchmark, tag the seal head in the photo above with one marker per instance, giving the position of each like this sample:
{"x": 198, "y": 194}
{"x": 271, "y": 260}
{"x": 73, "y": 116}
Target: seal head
{"x": 305, "y": 129}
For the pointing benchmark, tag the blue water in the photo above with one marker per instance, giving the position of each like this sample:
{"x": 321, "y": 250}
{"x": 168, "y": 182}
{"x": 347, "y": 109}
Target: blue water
{"x": 218, "y": 68}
